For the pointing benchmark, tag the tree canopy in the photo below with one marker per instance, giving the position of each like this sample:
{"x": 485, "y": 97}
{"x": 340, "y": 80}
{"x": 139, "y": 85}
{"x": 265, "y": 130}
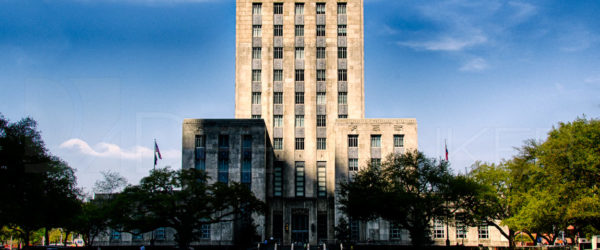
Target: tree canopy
{"x": 408, "y": 189}
{"x": 37, "y": 189}
{"x": 183, "y": 200}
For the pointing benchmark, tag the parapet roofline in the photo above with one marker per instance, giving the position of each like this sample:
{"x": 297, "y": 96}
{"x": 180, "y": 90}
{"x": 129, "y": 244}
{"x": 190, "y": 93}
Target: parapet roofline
{"x": 223, "y": 120}
{"x": 377, "y": 121}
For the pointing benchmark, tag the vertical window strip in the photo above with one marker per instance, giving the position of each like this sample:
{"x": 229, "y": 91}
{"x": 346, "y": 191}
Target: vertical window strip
{"x": 299, "y": 9}
{"x": 278, "y": 179}
{"x": 299, "y": 179}
{"x": 256, "y": 31}
{"x": 398, "y": 141}
{"x": 256, "y": 9}
{"x": 321, "y": 179}
{"x": 341, "y": 10}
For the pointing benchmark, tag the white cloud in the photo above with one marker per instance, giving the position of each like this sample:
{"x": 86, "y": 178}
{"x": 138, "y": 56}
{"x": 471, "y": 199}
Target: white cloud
{"x": 108, "y": 150}
{"x": 522, "y": 11}
{"x": 446, "y": 43}
{"x": 578, "y": 38}
{"x": 476, "y": 64}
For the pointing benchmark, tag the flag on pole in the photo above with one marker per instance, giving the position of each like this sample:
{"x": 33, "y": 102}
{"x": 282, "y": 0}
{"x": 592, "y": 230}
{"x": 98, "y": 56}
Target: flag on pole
{"x": 156, "y": 153}
{"x": 446, "y": 148}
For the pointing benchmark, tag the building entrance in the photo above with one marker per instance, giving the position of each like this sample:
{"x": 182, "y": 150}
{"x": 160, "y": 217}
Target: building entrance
{"x": 299, "y": 228}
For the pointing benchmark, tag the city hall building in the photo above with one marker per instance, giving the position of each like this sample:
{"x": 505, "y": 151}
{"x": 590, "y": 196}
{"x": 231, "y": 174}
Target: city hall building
{"x": 300, "y": 127}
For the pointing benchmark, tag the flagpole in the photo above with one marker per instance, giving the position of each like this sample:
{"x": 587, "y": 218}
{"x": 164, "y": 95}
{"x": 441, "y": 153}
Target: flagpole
{"x": 154, "y": 146}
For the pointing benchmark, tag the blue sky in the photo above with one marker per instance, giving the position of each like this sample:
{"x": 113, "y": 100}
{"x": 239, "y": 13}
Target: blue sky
{"x": 104, "y": 78}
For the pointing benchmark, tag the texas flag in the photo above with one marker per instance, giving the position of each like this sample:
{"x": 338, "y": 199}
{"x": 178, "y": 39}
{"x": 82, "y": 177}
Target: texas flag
{"x": 156, "y": 153}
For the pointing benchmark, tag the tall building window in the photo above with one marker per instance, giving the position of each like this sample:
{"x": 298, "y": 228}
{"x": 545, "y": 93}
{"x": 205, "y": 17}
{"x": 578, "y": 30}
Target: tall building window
{"x": 246, "y": 171}
{"x": 342, "y": 53}
{"x": 278, "y": 8}
{"x": 205, "y": 232}
{"x": 483, "y": 231}
{"x": 321, "y": 120}
{"x": 354, "y": 230}
{"x": 299, "y": 9}
{"x": 278, "y": 30}
{"x": 395, "y": 231}
{"x": 277, "y": 75}
{"x": 256, "y": 31}
{"x": 342, "y": 98}
{"x": 299, "y": 179}
{"x": 299, "y": 143}
{"x": 352, "y": 141}
{"x": 375, "y": 141}
{"x": 200, "y": 144}
{"x": 299, "y": 75}
{"x": 342, "y": 116}
{"x": 321, "y": 179}
{"x": 299, "y": 52}
{"x": 223, "y": 141}
{"x": 320, "y": 75}
{"x": 278, "y": 143}
{"x": 321, "y": 98}
{"x": 341, "y": 30}
{"x": 299, "y": 121}
{"x": 277, "y": 97}
{"x": 398, "y": 141}
{"x": 160, "y": 233}
{"x": 299, "y": 98}
{"x": 320, "y": 53}
{"x": 320, "y": 30}
{"x": 341, "y": 10}
{"x": 278, "y": 121}
{"x": 321, "y": 143}
{"x": 199, "y": 141}
{"x": 376, "y": 162}
{"x": 438, "y": 229}
{"x": 256, "y": 75}
{"x": 353, "y": 164}
{"x": 223, "y": 175}
{"x": 299, "y": 30}
{"x": 223, "y": 159}
{"x": 256, "y": 52}
{"x": 320, "y": 8}
{"x": 136, "y": 235}
{"x": 342, "y": 75}
{"x": 256, "y": 8}
{"x": 277, "y": 53}
{"x": 115, "y": 235}
{"x": 278, "y": 179}
{"x": 256, "y": 97}
{"x": 255, "y": 116}
{"x": 461, "y": 227}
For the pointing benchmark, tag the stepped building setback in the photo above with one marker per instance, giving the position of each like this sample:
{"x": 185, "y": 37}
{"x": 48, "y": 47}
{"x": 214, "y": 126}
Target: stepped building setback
{"x": 300, "y": 127}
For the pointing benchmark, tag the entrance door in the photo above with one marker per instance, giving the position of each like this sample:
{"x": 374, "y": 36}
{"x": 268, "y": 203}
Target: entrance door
{"x": 300, "y": 228}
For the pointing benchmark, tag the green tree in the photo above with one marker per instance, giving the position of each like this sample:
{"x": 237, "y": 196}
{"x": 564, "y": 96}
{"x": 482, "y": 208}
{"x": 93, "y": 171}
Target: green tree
{"x": 37, "y": 190}
{"x": 93, "y": 220}
{"x": 408, "y": 189}
{"x": 570, "y": 158}
{"x": 182, "y": 200}
{"x": 547, "y": 187}
{"x": 111, "y": 182}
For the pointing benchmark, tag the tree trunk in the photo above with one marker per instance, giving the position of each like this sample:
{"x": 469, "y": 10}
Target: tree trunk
{"x": 511, "y": 239}
{"x": 26, "y": 238}
{"x": 47, "y": 236}
{"x": 67, "y": 233}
